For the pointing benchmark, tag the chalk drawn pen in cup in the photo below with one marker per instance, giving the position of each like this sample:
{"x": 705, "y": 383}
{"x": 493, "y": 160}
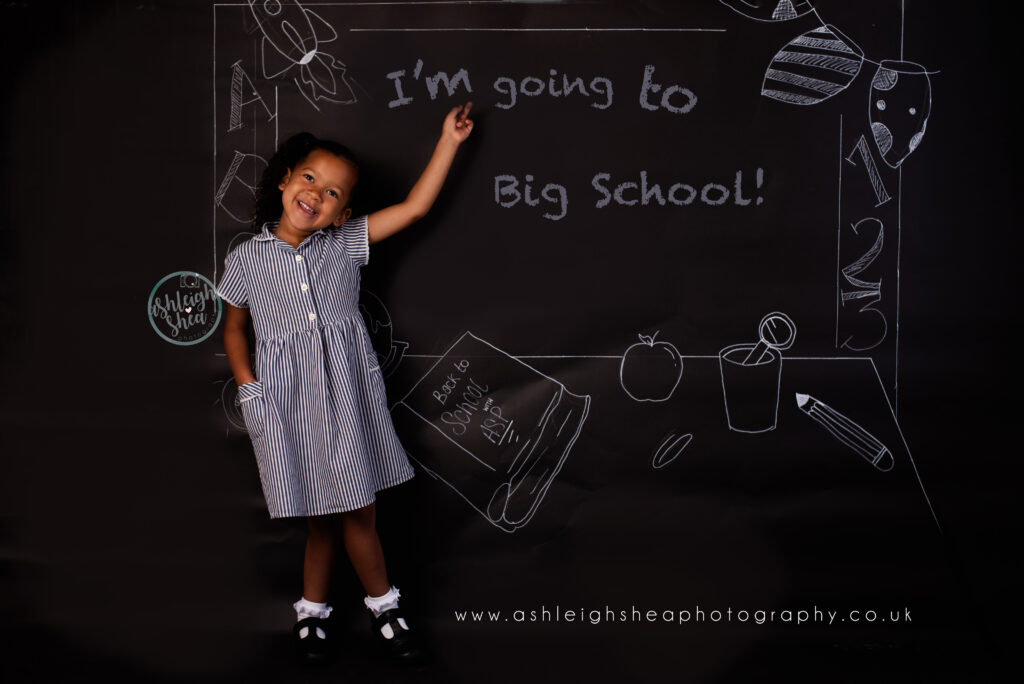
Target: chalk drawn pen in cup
{"x": 846, "y": 431}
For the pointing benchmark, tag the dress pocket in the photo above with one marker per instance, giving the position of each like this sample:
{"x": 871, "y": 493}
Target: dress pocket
{"x": 250, "y": 399}
{"x": 372, "y": 360}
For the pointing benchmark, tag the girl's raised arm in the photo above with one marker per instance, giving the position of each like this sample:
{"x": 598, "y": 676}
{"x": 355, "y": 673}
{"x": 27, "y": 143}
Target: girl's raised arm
{"x": 390, "y": 220}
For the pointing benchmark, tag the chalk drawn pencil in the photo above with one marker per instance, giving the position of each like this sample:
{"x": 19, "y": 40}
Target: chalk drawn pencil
{"x": 846, "y": 431}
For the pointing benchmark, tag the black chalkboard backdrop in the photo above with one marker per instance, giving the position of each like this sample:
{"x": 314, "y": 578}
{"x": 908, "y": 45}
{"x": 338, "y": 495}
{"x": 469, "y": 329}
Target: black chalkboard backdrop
{"x": 702, "y": 356}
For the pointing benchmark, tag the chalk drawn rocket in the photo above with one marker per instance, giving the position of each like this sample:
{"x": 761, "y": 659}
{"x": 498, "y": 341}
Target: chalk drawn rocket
{"x": 293, "y": 38}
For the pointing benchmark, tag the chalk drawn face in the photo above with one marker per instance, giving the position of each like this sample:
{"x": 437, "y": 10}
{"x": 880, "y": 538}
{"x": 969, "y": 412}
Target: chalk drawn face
{"x": 316, "y": 192}
{"x": 901, "y": 100}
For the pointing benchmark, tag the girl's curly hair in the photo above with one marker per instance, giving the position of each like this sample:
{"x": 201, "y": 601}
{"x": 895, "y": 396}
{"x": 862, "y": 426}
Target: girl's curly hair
{"x": 288, "y": 155}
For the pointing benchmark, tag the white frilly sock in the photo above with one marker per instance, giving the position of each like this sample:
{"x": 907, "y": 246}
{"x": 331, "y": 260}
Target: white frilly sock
{"x": 305, "y": 609}
{"x": 380, "y": 604}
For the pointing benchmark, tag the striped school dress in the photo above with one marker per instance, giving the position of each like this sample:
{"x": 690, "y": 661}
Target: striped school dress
{"x": 317, "y": 414}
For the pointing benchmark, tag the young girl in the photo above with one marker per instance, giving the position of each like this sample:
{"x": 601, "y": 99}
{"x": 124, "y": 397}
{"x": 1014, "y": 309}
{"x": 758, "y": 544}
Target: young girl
{"x": 316, "y": 408}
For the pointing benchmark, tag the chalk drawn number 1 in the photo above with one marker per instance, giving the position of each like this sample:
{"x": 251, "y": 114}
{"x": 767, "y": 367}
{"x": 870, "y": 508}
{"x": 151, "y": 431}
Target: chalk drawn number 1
{"x": 874, "y": 177}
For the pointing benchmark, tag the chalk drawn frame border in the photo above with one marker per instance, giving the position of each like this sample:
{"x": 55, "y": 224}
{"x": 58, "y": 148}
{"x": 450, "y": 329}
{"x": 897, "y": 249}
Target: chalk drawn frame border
{"x": 892, "y": 401}
{"x": 216, "y": 298}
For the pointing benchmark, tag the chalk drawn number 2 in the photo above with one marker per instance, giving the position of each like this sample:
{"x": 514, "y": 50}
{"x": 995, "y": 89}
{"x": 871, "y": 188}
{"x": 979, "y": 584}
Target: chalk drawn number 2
{"x": 870, "y": 293}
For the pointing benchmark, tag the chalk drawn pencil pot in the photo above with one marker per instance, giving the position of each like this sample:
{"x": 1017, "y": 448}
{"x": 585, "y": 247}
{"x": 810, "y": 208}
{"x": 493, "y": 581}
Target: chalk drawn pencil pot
{"x": 751, "y": 390}
{"x": 751, "y": 374}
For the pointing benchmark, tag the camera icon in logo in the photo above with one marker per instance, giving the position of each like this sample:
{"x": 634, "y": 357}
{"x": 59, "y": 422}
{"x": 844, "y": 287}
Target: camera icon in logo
{"x": 189, "y": 280}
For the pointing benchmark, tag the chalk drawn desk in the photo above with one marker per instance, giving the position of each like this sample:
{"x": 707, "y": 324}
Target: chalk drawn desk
{"x": 790, "y": 519}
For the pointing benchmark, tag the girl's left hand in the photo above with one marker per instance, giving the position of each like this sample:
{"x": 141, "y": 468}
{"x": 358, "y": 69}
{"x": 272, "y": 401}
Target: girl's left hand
{"x": 457, "y": 125}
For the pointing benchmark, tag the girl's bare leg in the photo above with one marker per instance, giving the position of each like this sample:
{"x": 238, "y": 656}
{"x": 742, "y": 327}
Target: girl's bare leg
{"x": 319, "y": 560}
{"x": 359, "y": 532}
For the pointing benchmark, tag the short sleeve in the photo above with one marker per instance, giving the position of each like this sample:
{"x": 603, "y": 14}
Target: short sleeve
{"x": 232, "y": 288}
{"x": 355, "y": 239}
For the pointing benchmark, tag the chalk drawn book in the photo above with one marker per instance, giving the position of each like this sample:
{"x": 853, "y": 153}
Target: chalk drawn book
{"x": 492, "y": 428}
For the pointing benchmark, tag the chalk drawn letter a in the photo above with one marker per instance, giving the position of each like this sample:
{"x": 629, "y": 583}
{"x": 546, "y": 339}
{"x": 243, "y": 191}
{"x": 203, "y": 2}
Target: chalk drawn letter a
{"x": 243, "y": 93}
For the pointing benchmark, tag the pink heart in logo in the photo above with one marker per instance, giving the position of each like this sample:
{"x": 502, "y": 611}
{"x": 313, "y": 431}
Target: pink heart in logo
{"x": 188, "y": 309}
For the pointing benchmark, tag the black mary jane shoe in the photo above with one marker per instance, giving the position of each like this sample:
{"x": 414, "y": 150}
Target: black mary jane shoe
{"x": 402, "y": 647}
{"x": 312, "y": 649}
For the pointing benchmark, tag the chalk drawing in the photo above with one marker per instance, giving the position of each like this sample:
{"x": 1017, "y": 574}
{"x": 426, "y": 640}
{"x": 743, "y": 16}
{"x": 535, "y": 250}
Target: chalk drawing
{"x": 822, "y": 63}
{"x": 293, "y": 40}
{"x": 232, "y": 407}
{"x": 236, "y": 194}
{"x": 846, "y": 431}
{"x": 868, "y": 293}
{"x": 239, "y": 238}
{"x": 874, "y": 177}
{"x": 770, "y": 10}
{"x": 378, "y": 323}
{"x": 752, "y": 373}
{"x": 491, "y": 427}
{"x": 776, "y": 331}
{"x": 669, "y": 449}
{"x": 900, "y": 102}
{"x": 650, "y": 371}
{"x": 813, "y": 67}
{"x": 243, "y": 94}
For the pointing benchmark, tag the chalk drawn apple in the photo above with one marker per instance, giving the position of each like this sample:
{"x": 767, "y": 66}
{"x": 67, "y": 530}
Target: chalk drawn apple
{"x": 650, "y": 371}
